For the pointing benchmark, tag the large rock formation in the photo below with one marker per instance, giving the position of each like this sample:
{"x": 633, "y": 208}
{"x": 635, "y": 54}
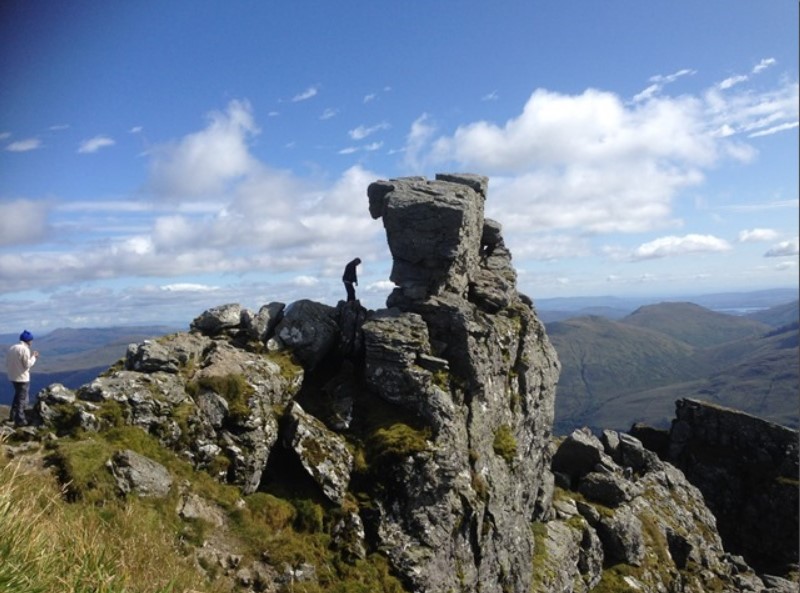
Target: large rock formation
{"x": 420, "y": 432}
{"x": 462, "y": 350}
{"x": 747, "y": 470}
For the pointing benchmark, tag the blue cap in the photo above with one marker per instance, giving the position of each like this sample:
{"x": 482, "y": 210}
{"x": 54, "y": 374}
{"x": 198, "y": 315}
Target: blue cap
{"x": 26, "y": 336}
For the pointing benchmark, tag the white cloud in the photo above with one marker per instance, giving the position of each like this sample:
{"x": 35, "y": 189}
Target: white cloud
{"x": 751, "y": 113}
{"x": 784, "y": 249}
{"x": 763, "y": 65}
{"x": 349, "y": 150}
{"x": 422, "y": 130}
{"x": 24, "y": 145}
{"x": 5, "y": 135}
{"x": 380, "y": 286}
{"x": 329, "y": 113}
{"x": 22, "y": 222}
{"x": 673, "y": 245}
{"x": 493, "y": 96}
{"x": 774, "y": 129}
{"x": 203, "y": 163}
{"x": 306, "y": 94}
{"x": 732, "y": 81}
{"x": 188, "y": 287}
{"x": 609, "y": 166}
{"x": 369, "y": 97}
{"x": 756, "y": 235}
{"x": 659, "y": 81}
{"x": 59, "y": 127}
{"x": 135, "y": 130}
{"x": 306, "y": 281}
{"x": 362, "y": 132}
{"x": 94, "y": 144}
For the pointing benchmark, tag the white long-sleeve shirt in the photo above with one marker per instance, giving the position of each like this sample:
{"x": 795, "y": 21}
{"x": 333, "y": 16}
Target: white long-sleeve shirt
{"x": 19, "y": 361}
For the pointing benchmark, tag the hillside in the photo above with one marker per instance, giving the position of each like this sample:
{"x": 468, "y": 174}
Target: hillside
{"x": 777, "y": 316}
{"x": 609, "y": 367}
{"x": 695, "y": 325}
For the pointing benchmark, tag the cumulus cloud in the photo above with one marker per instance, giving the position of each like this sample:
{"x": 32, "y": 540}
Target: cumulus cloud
{"x": 756, "y": 235}
{"x": 784, "y": 249}
{"x": 25, "y": 145}
{"x": 203, "y": 163}
{"x": 94, "y": 144}
{"x": 23, "y": 222}
{"x": 592, "y": 162}
{"x": 673, "y": 245}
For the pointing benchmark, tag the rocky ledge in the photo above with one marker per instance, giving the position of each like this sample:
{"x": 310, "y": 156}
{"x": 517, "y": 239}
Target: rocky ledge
{"x": 423, "y": 430}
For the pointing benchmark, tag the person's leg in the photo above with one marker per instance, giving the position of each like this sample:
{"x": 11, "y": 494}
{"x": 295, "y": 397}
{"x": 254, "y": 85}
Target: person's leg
{"x": 351, "y": 293}
{"x": 20, "y": 403}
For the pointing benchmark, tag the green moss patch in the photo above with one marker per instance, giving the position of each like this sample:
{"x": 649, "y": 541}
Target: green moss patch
{"x": 505, "y": 445}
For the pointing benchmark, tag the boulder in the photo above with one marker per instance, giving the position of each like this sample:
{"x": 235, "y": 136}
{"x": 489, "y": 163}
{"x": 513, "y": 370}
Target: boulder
{"x": 149, "y": 357}
{"x": 608, "y": 489}
{"x": 309, "y": 331}
{"x": 260, "y": 326}
{"x": 580, "y": 453}
{"x": 137, "y": 474}
{"x": 323, "y": 454}
{"x": 216, "y": 320}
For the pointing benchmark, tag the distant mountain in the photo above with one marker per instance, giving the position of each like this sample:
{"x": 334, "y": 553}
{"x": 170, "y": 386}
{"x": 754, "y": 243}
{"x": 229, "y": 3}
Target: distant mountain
{"x": 615, "y": 373}
{"x": 695, "y": 325}
{"x": 75, "y": 357}
{"x": 733, "y": 303}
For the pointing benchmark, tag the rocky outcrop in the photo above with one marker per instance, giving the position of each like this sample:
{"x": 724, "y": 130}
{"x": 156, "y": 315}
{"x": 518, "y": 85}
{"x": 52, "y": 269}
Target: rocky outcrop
{"x": 632, "y": 523}
{"x": 461, "y": 349}
{"x": 747, "y": 470}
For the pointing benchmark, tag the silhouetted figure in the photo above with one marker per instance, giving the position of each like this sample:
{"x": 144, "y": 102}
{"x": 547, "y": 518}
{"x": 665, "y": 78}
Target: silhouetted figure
{"x": 350, "y": 278}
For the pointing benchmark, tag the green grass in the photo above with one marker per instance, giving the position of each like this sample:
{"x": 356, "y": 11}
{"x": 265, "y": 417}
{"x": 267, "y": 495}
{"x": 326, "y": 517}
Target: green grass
{"x": 233, "y": 388}
{"x": 505, "y": 445}
{"x": 48, "y": 545}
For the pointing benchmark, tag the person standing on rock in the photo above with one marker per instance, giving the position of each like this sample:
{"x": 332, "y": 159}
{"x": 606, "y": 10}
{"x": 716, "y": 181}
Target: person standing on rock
{"x": 350, "y": 278}
{"x": 19, "y": 361}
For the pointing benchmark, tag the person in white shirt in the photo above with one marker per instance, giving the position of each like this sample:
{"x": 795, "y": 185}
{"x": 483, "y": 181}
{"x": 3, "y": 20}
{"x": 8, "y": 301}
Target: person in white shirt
{"x": 19, "y": 361}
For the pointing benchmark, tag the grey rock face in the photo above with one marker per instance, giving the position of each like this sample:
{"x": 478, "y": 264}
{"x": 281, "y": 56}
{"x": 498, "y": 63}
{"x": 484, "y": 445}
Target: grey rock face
{"x": 210, "y": 401}
{"x": 261, "y": 326}
{"x": 747, "y": 469}
{"x": 323, "y": 453}
{"x": 645, "y": 516}
{"x": 309, "y": 331}
{"x": 464, "y": 352}
{"x": 139, "y": 475}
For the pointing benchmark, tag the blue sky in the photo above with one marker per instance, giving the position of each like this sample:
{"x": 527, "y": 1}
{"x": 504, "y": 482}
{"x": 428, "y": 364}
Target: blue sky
{"x": 159, "y": 158}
